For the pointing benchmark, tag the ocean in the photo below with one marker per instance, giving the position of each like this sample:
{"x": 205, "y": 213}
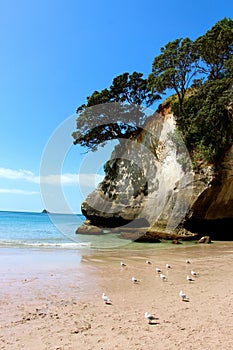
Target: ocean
{"x": 57, "y": 231}
{"x": 25, "y": 229}
{"x": 41, "y": 230}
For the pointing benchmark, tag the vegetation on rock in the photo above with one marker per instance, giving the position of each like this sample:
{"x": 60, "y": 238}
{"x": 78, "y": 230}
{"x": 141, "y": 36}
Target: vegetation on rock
{"x": 198, "y": 72}
{"x": 174, "y": 68}
{"x": 114, "y": 113}
{"x": 206, "y": 118}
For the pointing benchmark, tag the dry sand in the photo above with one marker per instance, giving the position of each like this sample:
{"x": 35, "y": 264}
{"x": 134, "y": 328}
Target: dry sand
{"x": 55, "y": 303}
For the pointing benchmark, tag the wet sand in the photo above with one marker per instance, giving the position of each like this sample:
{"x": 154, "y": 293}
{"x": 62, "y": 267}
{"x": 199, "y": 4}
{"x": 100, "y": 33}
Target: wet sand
{"x": 53, "y": 300}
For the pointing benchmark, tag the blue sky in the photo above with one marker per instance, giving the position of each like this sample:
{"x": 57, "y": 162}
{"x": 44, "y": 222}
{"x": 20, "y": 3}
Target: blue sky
{"x": 55, "y": 53}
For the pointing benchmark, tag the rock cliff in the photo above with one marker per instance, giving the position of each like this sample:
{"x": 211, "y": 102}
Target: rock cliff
{"x": 151, "y": 192}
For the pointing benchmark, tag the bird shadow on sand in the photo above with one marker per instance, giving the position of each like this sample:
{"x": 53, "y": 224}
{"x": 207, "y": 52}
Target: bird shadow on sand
{"x": 153, "y": 323}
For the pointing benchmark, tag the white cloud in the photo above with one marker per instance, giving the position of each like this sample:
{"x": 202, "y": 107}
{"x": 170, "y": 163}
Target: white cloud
{"x": 87, "y": 180}
{"x": 17, "y": 191}
{"x": 17, "y": 174}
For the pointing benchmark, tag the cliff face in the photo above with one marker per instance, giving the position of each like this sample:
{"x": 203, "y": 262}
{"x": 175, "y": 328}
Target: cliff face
{"x": 212, "y": 206}
{"x": 149, "y": 183}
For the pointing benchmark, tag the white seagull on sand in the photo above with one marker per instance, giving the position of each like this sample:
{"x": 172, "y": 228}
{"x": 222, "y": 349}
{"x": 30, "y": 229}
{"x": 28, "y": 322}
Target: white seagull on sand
{"x": 193, "y": 273}
{"x": 106, "y": 299}
{"x": 189, "y": 279}
{"x": 188, "y": 261}
{"x": 148, "y": 262}
{"x": 157, "y": 269}
{"x": 150, "y": 317}
{"x": 135, "y": 280}
{"x": 123, "y": 264}
{"x": 168, "y": 266}
{"x": 163, "y": 277}
{"x": 183, "y": 296}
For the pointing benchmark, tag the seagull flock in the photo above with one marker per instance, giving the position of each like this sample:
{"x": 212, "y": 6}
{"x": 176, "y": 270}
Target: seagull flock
{"x": 183, "y": 296}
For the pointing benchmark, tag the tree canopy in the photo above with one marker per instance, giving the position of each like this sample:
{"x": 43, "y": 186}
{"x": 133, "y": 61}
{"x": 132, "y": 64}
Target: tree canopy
{"x": 174, "y": 68}
{"x": 114, "y": 113}
{"x": 200, "y": 75}
{"x": 206, "y": 121}
{"x": 206, "y": 118}
{"x": 215, "y": 48}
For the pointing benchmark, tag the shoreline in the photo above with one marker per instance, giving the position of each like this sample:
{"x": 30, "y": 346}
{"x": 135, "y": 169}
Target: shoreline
{"x": 52, "y": 299}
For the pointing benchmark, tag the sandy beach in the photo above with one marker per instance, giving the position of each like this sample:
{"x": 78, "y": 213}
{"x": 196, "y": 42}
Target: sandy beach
{"x": 53, "y": 299}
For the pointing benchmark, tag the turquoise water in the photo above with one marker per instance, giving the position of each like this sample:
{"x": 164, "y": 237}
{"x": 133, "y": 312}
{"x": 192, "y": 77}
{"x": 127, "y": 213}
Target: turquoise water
{"x": 57, "y": 231}
{"x": 18, "y": 229}
{"x": 25, "y": 229}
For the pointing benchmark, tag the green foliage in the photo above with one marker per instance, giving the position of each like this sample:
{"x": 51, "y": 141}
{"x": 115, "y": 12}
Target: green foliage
{"x": 214, "y": 48}
{"x": 206, "y": 121}
{"x": 114, "y": 113}
{"x": 174, "y": 68}
{"x": 98, "y": 124}
{"x": 200, "y": 73}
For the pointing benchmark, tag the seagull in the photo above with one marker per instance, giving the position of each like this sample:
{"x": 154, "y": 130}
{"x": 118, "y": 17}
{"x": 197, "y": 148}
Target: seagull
{"x": 188, "y": 261}
{"x": 193, "y": 273}
{"x": 149, "y": 317}
{"x": 158, "y": 270}
{"x": 135, "y": 280}
{"x": 106, "y": 299}
{"x": 148, "y": 262}
{"x": 123, "y": 264}
{"x": 168, "y": 266}
{"x": 189, "y": 279}
{"x": 183, "y": 296}
{"x": 163, "y": 277}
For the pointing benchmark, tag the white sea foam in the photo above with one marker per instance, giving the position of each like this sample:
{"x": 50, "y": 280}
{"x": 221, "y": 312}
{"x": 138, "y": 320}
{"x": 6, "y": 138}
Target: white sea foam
{"x": 64, "y": 245}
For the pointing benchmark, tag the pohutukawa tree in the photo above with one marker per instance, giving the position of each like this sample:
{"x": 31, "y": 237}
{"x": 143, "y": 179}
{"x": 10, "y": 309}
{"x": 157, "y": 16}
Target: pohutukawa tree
{"x": 204, "y": 116}
{"x": 174, "y": 68}
{"x": 215, "y": 49}
{"x": 206, "y": 119}
{"x": 114, "y": 113}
